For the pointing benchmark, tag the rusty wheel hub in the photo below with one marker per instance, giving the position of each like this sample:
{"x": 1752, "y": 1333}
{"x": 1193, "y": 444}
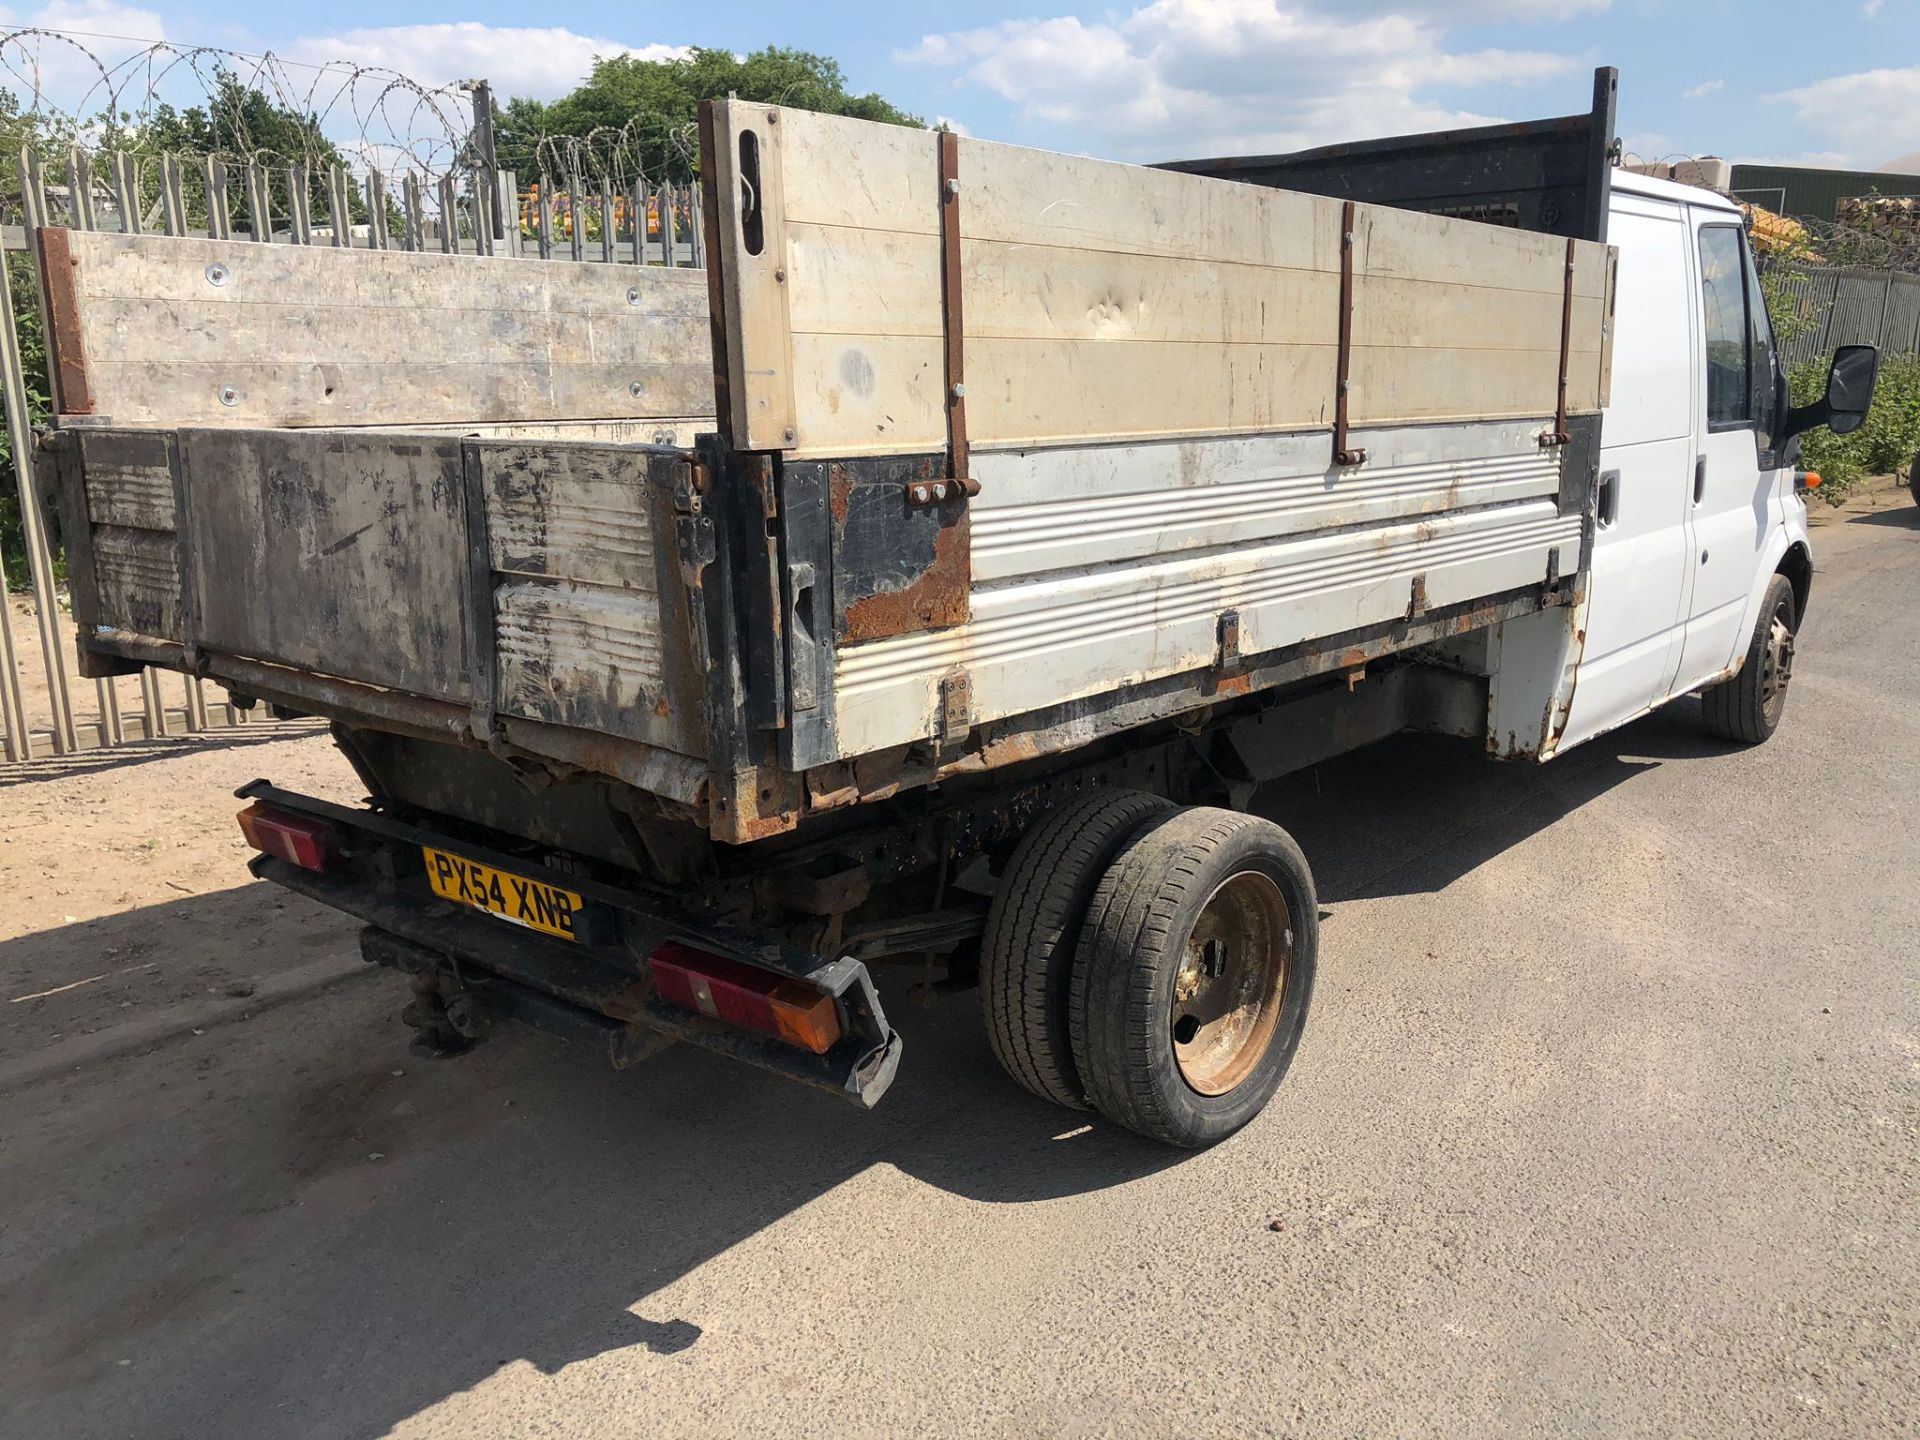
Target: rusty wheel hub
{"x": 1227, "y": 992}
{"x": 1777, "y": 665}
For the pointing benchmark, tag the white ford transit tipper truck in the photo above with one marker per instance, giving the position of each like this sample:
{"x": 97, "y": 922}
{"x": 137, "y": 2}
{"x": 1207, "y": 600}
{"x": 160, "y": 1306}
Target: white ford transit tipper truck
{"x": 935, "y": 576}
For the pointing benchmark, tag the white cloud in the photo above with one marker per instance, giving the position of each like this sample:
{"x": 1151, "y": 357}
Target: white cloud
{"x": 1859, "y": 118}
{"x": 67, "y": 73}
{"x": 1197, "y": 77}
{"x": 1704, "y": 88}
{"x": 1476, "y": 11}
{"x": 1872, "y": 9}
{"x": 541, "y": 62}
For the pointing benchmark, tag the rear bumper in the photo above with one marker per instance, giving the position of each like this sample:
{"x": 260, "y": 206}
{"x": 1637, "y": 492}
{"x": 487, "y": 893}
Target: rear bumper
{"x": 596, "y": 990}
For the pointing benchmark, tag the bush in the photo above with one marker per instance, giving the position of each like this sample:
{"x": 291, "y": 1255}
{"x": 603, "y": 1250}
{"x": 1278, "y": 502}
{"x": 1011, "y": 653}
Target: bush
{"x": 1885, "y": 445}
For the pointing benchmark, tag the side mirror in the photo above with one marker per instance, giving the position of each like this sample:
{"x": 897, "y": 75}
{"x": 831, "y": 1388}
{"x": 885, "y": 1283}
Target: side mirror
{"x": 1850, "y": 381}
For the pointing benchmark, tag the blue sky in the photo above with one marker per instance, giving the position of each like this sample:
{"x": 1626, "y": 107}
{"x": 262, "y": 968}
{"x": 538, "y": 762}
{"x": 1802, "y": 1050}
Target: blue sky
{"x": 1835, "y": 83}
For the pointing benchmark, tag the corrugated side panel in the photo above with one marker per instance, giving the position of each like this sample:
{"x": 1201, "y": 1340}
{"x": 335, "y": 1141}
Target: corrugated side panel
{"x": 1102, "y": 567}
{"x": 580, "y": 625}
{"x": 130, "y": 511}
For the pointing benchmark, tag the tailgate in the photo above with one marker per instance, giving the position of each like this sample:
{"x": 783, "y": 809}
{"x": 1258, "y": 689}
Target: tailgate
{"x": 498, "y": 580}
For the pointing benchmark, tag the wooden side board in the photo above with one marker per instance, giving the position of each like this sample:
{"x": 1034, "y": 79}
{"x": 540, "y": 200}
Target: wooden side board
{"x": 1109, "y": 302}
{"x": 156, "y": 330}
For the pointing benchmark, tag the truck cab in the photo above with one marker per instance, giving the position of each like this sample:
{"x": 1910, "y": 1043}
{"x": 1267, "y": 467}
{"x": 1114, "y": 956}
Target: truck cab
{"x": 1696, "y": 509}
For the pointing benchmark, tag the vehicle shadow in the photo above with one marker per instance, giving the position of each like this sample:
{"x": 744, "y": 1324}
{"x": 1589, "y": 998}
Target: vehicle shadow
{"x": 1415, "y": 813}
{"x": 1904, "y": 517}
{"x": 291, "y": 1227}
{"x": 142, "y": 752}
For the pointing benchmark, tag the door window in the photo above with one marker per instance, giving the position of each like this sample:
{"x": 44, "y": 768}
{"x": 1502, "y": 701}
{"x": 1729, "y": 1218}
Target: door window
{"x": 1764, "y": 361}
{"x": 1729, "y": 335}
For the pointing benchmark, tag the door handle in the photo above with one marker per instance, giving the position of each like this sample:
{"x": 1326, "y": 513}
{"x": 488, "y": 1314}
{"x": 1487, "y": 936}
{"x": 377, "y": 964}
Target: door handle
{"x": 1607, "y": 502}
{"x": 1699, "y": 479}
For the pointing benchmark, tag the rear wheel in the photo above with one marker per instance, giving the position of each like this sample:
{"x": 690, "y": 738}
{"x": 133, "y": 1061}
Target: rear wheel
{"x": 1193, "y": 976}
{"x": 1026, "y": 957}
{"x": 1747, "y": 707}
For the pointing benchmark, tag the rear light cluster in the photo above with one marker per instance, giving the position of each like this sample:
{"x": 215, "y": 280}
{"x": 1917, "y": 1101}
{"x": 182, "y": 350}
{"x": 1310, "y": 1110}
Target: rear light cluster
{"x": 310, "y": 844}
{"x": 739, "y": 994}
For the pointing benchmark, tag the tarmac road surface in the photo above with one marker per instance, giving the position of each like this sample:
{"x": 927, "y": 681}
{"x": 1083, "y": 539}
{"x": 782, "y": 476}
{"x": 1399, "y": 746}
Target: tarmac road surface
{"x": 1604, "y": 1123}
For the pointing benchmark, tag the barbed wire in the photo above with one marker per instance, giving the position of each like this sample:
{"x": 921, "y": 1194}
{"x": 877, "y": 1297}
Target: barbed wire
{"x": 373, "y": 116}
{"x": 113, "y": 90}
{"x": 1870, "y": 231}
{"x": 1860, "y": 239}
{"x": 645, "y": 148}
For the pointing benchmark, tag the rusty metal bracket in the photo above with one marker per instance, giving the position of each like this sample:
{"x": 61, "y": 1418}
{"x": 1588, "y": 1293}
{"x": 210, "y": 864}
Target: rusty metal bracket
{"x": 1343, "y": 454}
{"x": 956, "y": 707}
{"x": 1227, "y": 654}
{"x": 938, "y": 492}
{"x": 1559, "y": 435}
{"x": 952, "y": 309}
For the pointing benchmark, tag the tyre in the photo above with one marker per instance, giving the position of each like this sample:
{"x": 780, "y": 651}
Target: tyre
{"x": 1913, "y": 480}
{"x": 1193, "y": 976}
{"x": 1026, "y": 957}
{"x": 1747, "y": 707}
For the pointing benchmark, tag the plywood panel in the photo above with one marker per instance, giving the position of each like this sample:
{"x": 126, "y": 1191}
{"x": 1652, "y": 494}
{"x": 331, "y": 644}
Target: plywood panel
{"x": 1105, "y": 301}
{"x": 164, "y": 331}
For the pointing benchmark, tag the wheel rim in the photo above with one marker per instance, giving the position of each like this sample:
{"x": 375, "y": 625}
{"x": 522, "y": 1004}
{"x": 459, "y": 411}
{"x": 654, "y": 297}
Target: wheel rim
{"x": 1232, "y": 979}
{"x": 1776, "y": 666}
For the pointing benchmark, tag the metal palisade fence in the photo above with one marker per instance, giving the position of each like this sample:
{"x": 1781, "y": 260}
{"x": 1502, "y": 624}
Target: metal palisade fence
{"x": 43, "y": 711}
{"x": 1842, "y": 305}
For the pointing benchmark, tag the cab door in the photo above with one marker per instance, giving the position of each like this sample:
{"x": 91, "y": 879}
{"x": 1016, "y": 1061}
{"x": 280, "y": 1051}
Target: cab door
{"x": 1731, "y": 510}
{"x": 1642, "y": 548}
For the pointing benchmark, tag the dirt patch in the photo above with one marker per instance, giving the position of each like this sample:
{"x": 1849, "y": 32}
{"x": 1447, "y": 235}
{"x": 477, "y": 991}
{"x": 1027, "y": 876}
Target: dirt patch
{"x": 126, "y": 880}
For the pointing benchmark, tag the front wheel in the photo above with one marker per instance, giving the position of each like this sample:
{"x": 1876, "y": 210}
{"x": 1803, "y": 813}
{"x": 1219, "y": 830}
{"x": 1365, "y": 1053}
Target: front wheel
{"x": 1193, "y": 975}
{"x": 1747, "y": 707}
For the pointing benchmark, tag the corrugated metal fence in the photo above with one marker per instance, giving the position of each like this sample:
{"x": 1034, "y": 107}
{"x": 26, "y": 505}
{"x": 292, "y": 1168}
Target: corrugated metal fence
{"x": 42, "y": 712}
{"x": 1835, "y": 305}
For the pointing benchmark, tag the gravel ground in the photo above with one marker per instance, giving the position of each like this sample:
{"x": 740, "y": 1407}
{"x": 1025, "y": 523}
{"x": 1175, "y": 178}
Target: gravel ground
{"x": 1604, "y": 1124}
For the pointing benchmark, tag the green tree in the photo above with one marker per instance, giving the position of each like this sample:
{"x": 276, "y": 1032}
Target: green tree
{"x": 237, "y": 122}
{"x": 240, "y": 122}
{"x": 651, "y": 105}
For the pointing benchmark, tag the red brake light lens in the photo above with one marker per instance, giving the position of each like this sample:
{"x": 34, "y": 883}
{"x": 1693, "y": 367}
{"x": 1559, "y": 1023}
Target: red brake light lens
{"x": 744, "y": 995}
{"x": 299, "y": 841}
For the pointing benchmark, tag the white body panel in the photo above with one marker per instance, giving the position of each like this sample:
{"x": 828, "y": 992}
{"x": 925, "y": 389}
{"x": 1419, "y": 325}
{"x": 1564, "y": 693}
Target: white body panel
{"x": 1679, "y": 567}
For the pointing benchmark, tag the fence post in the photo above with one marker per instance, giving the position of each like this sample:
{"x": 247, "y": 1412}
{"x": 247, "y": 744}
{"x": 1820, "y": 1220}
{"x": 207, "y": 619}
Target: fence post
{"x": 449, "y": 217}
{"x": 377, "y": 237}
{"x": 259, "y": 202}
{"x": 299, "y": 206}
{"x": 16, "y": 744}
{"x": 506, "y": 202}
{"x": 415, "y": 213}
{"x": 46, "y": 600}
{"x": 219, "y": 217}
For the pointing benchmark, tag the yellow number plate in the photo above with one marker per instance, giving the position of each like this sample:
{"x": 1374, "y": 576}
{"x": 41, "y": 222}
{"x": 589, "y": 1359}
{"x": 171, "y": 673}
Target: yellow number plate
{"x": 538, "y": 906}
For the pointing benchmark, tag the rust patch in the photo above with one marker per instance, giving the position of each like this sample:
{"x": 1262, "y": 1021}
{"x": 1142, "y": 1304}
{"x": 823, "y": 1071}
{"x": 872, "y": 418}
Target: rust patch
{"x": 839, "y": 492}
{"x": 1231, "y": 685}
{"x": 937, "y": 598}
{"x": 66, "y": 340}
{"x": 628, "y": 1003}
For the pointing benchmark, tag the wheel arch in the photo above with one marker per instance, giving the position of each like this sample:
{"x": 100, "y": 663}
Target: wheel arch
{"x": 1797, "y": 565}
